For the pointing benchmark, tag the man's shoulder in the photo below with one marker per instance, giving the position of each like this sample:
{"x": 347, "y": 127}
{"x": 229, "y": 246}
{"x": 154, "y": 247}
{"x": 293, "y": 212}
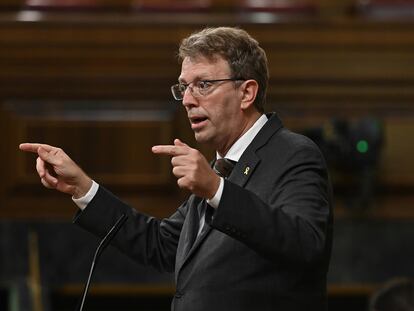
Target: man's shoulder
{"x": 292, "y": 139}
{"x": 289, "y": 144}
{"x": 275, "y": 139}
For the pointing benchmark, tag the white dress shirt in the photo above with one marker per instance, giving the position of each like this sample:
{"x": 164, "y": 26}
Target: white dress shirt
{"x": 234, "y": 153}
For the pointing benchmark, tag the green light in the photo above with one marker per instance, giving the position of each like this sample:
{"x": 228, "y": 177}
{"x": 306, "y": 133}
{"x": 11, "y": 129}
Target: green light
{"x": 362, "y": 146}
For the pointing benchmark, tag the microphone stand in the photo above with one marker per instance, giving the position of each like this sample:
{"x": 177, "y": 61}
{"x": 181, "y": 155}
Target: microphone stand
{"x": 101, "y": 247}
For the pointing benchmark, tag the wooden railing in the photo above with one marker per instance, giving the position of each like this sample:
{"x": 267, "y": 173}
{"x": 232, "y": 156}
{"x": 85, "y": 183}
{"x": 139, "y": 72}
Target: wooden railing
{"x": 98, "y": 84}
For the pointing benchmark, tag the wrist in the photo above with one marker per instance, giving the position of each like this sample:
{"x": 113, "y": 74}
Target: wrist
{"x": 215, "y": 200}
{"x": 215, "y": 185}
{"x": 82, "y": 188}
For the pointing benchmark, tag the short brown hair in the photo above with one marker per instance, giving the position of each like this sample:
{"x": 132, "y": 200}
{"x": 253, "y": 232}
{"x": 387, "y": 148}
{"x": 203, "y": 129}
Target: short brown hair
{"x": 245, "y": 57}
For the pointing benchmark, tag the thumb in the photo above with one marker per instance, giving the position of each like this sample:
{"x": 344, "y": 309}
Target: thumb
{"x": 43, "y": 154}
{"x": 178, "y": 142}
{"x": 46, "y": 156}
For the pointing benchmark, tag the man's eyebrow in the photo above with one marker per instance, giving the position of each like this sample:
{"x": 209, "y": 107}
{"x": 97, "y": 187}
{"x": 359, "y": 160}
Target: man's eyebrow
{"x": 198, "y": 78}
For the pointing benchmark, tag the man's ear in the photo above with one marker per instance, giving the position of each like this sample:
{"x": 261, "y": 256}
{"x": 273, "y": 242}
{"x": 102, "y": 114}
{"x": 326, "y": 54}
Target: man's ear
{"x": 249, "y": 90}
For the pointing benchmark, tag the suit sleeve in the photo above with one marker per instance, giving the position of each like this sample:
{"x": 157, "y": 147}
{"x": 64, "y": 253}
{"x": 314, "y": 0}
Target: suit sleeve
{"x": 293, "y": 221}
{"x": 145, "y": 239}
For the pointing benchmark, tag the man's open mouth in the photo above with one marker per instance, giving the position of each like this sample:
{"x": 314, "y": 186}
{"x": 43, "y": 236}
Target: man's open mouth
{"x": 197, "y": 120}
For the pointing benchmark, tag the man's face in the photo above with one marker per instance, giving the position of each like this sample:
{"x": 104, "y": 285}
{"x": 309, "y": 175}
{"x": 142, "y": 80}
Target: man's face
{"x": 215, "y": 118}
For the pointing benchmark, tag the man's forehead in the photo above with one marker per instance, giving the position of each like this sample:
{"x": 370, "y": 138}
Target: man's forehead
{"x": 202, "y": 67}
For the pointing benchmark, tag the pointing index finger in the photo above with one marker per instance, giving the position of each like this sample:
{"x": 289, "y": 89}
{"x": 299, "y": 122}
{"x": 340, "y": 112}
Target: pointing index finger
{"x": 168, "y": 150}
{"x": 34, "y": 147}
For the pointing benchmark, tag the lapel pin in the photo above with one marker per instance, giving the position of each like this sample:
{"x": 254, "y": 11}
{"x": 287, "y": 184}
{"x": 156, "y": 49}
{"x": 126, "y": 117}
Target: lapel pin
{"x": 246, "y": 170}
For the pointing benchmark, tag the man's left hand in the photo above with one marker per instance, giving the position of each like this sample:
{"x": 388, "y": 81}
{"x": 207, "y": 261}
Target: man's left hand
{"x": 191, "y": 168}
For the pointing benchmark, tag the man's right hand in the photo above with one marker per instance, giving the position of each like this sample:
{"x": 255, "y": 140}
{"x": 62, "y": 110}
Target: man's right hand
{"x": 58, "y": 171}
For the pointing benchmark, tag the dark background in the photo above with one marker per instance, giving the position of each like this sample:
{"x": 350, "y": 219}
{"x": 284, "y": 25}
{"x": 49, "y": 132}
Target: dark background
{"x": 93, "y": 77}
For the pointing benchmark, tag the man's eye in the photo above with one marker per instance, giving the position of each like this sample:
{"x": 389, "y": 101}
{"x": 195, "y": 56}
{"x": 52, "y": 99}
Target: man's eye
{"x": 203, "y": 85}
{"x": 182, "y": 87}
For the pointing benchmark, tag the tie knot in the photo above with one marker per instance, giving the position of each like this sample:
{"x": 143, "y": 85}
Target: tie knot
{"x": 223, "y": 167}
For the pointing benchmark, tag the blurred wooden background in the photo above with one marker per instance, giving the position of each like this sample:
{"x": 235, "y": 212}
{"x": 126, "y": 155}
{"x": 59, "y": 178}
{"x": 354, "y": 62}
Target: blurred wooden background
{"x": 94, "y": 78}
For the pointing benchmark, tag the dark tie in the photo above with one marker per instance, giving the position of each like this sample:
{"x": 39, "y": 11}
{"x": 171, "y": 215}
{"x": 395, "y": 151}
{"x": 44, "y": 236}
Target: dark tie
{"x": 223, "y": 167}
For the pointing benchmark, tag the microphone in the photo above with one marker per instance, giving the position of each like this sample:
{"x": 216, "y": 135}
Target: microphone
{"x": 101, "y": 247}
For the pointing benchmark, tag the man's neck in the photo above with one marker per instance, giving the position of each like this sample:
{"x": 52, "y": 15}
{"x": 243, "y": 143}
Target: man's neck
{"x": 247, "y": 126}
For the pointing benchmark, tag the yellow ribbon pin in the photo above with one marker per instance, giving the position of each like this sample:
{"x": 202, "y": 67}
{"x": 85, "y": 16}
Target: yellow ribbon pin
{"x": 246, "y": 170}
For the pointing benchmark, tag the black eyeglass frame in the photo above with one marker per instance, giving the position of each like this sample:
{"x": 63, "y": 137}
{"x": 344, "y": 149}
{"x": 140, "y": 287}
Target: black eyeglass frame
{"x": 206, "y": 81}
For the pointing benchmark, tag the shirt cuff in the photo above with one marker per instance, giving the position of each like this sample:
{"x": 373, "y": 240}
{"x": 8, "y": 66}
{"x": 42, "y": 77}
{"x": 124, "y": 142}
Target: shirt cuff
{"x": 84, "y": 201}
{"x": 215, "y": 200}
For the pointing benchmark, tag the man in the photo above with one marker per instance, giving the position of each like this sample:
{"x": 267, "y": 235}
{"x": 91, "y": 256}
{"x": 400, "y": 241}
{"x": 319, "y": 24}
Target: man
{"x": 258, "y": 239}
{"x": 395, "y": 295}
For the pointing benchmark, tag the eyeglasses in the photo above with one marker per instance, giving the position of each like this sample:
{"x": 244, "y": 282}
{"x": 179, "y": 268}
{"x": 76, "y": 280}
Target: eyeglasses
{"x": 199, "y": 89}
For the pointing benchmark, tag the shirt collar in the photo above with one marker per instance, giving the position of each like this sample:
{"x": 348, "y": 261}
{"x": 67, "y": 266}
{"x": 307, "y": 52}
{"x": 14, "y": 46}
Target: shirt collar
{"x": 237, "y": 149}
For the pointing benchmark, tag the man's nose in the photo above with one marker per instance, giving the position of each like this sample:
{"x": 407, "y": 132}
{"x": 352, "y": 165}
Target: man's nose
{"x": 189, "y": 99}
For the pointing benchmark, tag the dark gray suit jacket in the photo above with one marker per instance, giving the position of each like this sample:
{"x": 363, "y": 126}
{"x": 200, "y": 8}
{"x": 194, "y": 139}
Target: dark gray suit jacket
{"x": 266, "y": 247}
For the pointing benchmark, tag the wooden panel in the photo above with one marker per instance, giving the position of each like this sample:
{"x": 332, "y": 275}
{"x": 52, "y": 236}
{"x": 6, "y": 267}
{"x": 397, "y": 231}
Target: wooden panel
{"x": 395, "y": 168}
{"x": 311, "y": 62}
{"x": 336, "y": 6}
{"x": 112, "y": 143}
{"x": 396, "y": 10}
{"x": 87, "y": 62}
{"x": 320, "y": 69}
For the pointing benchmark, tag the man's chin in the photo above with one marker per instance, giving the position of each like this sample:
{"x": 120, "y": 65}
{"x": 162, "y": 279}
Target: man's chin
{"x": 201, "y": 138}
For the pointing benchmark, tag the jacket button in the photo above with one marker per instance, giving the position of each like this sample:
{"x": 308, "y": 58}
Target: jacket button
{"x": 178, "y": 294}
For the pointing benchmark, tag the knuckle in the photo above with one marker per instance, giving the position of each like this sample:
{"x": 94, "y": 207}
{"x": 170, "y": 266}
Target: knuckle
{"x": 191, "y": 187}
{"x": 190, "y": 182}
{"x": 180, "y": 183}
{"x": 58, "y": 152}
{"x": 45, "y": 183}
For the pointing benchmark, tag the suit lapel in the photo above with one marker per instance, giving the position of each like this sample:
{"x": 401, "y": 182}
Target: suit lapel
{"x": 244, "y": 169}
{"x": 240, "y": 175}
{"x": 203, "y": 234}
{"x": 249, "y": 160}
{"x": 192, "y": 229}
{"x": 191, "y": 241}
{"x": 189, "y": 234}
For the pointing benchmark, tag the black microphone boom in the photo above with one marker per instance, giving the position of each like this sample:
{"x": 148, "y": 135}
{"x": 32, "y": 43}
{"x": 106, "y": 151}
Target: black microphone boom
{"x": 101, "y": 247}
